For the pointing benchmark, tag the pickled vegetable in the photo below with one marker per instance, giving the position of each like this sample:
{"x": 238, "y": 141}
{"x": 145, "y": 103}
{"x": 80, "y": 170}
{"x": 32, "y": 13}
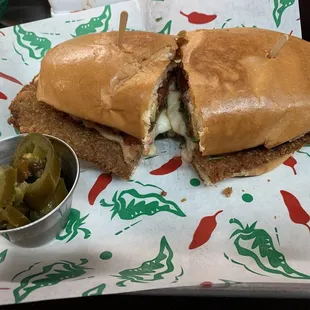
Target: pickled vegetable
{"x": 23, "y": 209}
{"x": 58, "y": 196}
{"x": 32, "y": 186}
{"x": 13, "y": 217}
{"x": 36, "y": 159}
{"x": 7, "y": 181}
{"x": 20, "y": 190}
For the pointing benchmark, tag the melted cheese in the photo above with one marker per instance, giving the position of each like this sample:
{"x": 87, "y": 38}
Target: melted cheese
{"x": 188, "y": 150}
{"x": 169, "y": 120}
{"x": 174, "y": 115}
{"x": 178, "y": 124}
{"x": 162, "y": 125}
{"x": 107, "y": 133}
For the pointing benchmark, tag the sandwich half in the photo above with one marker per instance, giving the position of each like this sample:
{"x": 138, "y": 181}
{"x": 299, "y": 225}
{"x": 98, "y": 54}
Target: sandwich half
{"x": 104, "y": 100}
{"x": 247, "y": 112}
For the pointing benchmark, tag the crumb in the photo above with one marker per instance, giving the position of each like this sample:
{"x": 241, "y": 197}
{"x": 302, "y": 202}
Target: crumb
{"x": 243, "y": 191}
{"x": 275, "y": 217}
{"x": 163, "y": 193}
{"x": 183, "y": 199}
{"x": 227, "y": 191}
{"x": 268, "y": 180}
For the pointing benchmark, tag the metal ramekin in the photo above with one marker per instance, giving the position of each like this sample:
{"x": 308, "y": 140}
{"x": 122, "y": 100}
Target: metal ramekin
{"x": 46, "y": 229}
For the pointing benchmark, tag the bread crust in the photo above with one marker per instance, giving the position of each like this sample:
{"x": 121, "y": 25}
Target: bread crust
{"x": 92, "y": 78}
{"x": 240, "y": 98}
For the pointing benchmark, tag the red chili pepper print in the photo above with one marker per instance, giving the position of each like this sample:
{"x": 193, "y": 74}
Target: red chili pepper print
{"x": 296, "y": 212}
{"x": 291, "y": 162}
{"x": 206, "y": 284}
{"x": 204, "y": 231}
{"x": 10, "y": 78}
{"x": 2, "y": 33}
{"x": 3, "y": 96}
{"x": 101, "y": 183}
{"x": 170, "y": 166}
{"x": 199, "y": 18}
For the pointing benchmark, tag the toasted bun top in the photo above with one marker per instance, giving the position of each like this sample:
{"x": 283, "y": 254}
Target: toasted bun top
{"x": 240, "y": 97}
{"x": 92, "y": 78}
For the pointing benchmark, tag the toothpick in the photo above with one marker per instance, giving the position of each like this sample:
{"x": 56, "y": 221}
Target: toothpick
{"x": 276, "y": 49}
{"x": 122, "y": 27}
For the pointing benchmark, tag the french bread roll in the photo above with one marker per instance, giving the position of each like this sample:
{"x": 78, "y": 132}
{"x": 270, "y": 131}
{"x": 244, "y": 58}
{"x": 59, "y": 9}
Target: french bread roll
{"x": 92, "y": 78}
{"x": 237, "y": 97}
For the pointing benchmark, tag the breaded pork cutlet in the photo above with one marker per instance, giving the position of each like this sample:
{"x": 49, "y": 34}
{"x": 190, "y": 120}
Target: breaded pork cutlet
{"x": 245, "y": 163}
{"x": 88, "y": 144}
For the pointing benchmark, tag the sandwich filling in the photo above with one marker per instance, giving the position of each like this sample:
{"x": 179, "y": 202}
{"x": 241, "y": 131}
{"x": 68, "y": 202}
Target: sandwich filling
{"x": 176, "y": 115}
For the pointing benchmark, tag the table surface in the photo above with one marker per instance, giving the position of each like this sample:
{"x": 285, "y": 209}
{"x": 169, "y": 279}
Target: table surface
{"x": 179, "y": 302}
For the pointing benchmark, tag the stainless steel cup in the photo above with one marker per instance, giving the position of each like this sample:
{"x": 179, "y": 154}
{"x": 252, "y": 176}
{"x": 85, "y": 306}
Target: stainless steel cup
{"x": 48, "y": 227}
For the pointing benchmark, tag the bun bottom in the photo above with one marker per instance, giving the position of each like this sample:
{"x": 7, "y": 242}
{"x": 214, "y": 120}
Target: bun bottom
{"x": 29, "y": 115}
{"x": 260, "y": 170}
{"x": 250, "y": 162}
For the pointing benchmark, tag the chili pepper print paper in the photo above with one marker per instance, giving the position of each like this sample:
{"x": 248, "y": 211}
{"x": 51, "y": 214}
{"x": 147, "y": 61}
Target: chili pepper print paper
{"x": 175, "y": 15}
{"x": 163, "y": 228}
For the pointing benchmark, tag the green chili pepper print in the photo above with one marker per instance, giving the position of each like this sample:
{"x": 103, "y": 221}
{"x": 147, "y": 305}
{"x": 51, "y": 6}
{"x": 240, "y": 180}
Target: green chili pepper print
{"x": 6, "y": 236}
{"x": 73, "y": 227}
{"x": 97, "y": 290}
{"x": 131, "y": 29}
{"x": 243, "y": 265}
{"x": 3, "y": 256}
{"x": 151, "y": 270}
{"x": 241, "y": 26}
{"x": 28, "y": 40}
{"x": 261, "y": 249}
{"x": 302, "y": 152}
{"x": 229, "y": 282}
{"x": 96, "y": 24}
{"x": 244, "y": 26}
{"x": 167, "y": 28}
{"x": 279, "y": 7}
{"x": 49, "y": 275}
{"x": 130, "y": 204}
{"x": 177, "y": 278}
{"x": 146, "y": 185}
